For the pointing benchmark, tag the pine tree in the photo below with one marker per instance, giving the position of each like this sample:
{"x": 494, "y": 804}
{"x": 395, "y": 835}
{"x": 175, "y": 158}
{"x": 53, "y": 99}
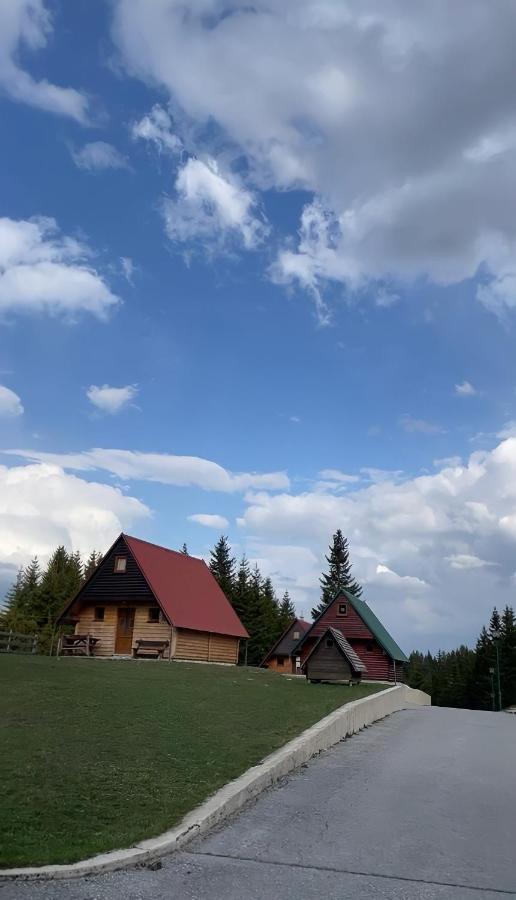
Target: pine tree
{"x": 23, "y": 599}
{"x": 93, "y": 561}
{"x": 287, "y": 611}
{"x": 61, "y": 579}
{"x": 339, "y": 576}
{"x": 508, "y": 657}
{"x": 184, "y": 549}
{"x": 222, "y": 566}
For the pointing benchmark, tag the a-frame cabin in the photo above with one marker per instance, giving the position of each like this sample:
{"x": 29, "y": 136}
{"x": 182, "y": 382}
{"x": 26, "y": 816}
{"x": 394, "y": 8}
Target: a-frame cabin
{"x": 356, "y": 621}
{"x": 143, "y": 592}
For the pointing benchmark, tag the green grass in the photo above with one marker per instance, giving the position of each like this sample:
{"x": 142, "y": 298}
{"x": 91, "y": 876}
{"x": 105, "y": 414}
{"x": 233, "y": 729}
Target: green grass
{"x": 99, "y": 754}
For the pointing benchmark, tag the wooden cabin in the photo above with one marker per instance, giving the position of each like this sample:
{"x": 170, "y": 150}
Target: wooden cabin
{"x": 143, "y": 597}
{"x": 332, "y": 658}
{"x": 356, "y": 621}
{"x": 280, "y": 657}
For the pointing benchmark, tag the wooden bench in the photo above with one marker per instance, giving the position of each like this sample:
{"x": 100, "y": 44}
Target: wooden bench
{"x": 150, "y": 648}
{"x": 77, "y": 645}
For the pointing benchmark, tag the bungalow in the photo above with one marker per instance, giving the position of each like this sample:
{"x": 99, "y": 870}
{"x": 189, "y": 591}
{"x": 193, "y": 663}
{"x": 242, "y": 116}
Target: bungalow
{"x": 364, "y": 634}
{"x": 280, "y": 658}
{"x": 143, "y": 596}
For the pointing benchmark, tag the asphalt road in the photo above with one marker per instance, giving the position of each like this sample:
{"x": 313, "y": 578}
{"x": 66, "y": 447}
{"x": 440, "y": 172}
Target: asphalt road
{"x": 420, "y": 806}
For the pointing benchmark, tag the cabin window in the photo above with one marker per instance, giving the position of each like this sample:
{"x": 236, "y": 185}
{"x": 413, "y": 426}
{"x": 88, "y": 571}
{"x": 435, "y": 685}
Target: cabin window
{"x": 154, "y": 614}
{"x": 329, "y": 642}
{"x": 99, "y": 613}
{"x": 369, "y": 646}
{"x": 120, "y": 563}
{"x": 343, "y": 609}
{"x": 281, "y": 661}
{"x": 296, "y": 635}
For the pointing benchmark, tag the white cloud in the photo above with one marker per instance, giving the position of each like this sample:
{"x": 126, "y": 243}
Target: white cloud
{"x": 27, "y": 25}
{"x": 98, "y": 156}
{"x": 43, "y": 271}
{"x": 434, "y": 552}
{"x": 410, "y": 424}
{"x": 209, "y": 521}
{"x": 212, "y": 205}
{"x": 465, "y": 389}
{"x": 467, "y": 561}
{"x": 10, "y": 403}
{"x": 337, "y": 476}
{"x": 111, "y": 399}
{"x": 156, "y": 127}
{"x": 165, "y": 468}
{"x": 41, "y": 506}
{"x": 128, "y": 268}
{"x": 374, "y": 108}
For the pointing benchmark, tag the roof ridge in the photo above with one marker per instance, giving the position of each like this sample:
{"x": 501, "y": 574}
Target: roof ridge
{"x": 131, "y": 537}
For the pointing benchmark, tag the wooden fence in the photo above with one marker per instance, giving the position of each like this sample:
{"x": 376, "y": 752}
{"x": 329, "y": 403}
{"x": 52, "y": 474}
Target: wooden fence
{"x": 12, "y": 642}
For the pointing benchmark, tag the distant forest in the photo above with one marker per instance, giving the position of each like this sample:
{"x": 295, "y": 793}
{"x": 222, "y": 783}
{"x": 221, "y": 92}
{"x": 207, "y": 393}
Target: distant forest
{"x": 483, "y": 678}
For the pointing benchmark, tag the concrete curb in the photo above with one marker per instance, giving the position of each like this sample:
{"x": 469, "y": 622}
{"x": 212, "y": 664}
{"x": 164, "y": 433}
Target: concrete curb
{"x": 341, "y": 723}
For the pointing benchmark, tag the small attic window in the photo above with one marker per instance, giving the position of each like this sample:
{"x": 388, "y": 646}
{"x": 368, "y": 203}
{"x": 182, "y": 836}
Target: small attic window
{"x": 120, "y": 563}
{"x": 343, "y": 609}
{"x": 296, "y": 635}
{"x": 153, "y": 614}
{"x": 329, "y": 642}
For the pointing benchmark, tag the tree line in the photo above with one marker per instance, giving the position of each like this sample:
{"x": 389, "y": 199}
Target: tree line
{"x": 469, "y": 678}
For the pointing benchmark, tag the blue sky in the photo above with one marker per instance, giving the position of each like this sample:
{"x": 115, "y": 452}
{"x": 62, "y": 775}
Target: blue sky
{"x": 293, "y": 265}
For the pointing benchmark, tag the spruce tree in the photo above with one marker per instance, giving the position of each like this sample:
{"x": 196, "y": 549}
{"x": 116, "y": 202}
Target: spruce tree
{"x": 287, "y": 611}
{"x": 222, "y": 566}
{"x": 339, "y": 575}
{"x": 94, "y": 560}
{"x": 508, "y": 657}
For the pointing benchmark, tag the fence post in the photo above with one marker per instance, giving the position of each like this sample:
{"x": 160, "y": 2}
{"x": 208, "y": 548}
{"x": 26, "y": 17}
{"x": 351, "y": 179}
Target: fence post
{"x": 34, "y": 644}
{"x": 9, "y": 641}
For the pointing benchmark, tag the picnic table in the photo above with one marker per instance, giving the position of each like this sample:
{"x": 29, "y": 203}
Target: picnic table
{"x": 150, "y": 648}
{"x": 77, "y": 645}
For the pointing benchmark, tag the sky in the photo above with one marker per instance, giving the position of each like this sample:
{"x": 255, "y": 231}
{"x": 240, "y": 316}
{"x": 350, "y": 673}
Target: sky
{"x": 258, "y": 277}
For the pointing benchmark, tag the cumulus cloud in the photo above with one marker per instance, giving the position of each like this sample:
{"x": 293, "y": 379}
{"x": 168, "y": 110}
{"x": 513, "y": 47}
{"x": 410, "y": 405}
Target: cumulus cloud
{"x": 183, "y": 471}
{"x": 111, "y": 399}
{"x": 434, "y": 552}
{"x": 212, "y": 206}
{"x": 27, "y": 25}
{"x": 44, "y": 271}
{"x": 157, "y": 128}
{"x": 379, "y": 109}
{"x": 42, "y": 506}
{"x": 208, "y": 520}
{"x": 10, "y": 403}
{"x": 98, "y": 156}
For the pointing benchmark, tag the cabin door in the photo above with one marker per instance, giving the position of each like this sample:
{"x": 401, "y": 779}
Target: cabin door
{"x": 124, "y": 630}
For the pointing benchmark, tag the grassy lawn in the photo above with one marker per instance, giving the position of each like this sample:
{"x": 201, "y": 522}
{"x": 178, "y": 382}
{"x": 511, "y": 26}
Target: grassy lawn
{"x": 99, "y": 754}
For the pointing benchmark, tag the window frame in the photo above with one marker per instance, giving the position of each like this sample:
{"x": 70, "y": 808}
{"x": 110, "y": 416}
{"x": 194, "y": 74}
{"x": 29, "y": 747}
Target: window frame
{"x": 340, "y": 607}
{"x": 96, "y": 616}
{"x": 150, "y": 619}
{"x": 119, "y": 559}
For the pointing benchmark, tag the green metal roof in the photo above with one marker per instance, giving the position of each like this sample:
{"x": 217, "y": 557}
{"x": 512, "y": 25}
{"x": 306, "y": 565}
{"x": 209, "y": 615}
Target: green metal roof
{"x": 375, "y": 626}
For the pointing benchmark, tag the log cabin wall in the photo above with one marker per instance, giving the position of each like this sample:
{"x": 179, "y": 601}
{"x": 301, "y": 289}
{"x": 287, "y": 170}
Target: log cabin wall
{"x": 281, "y": 664}
{"x": 105, "y": 630}
{"x": 206, "y": 647}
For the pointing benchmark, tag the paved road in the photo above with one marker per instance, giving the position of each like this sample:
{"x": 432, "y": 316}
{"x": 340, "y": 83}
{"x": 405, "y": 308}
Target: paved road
{"x": 421, "y": 806}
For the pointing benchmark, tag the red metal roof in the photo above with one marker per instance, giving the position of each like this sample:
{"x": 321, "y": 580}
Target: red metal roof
{"x": 185, "y": 589}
